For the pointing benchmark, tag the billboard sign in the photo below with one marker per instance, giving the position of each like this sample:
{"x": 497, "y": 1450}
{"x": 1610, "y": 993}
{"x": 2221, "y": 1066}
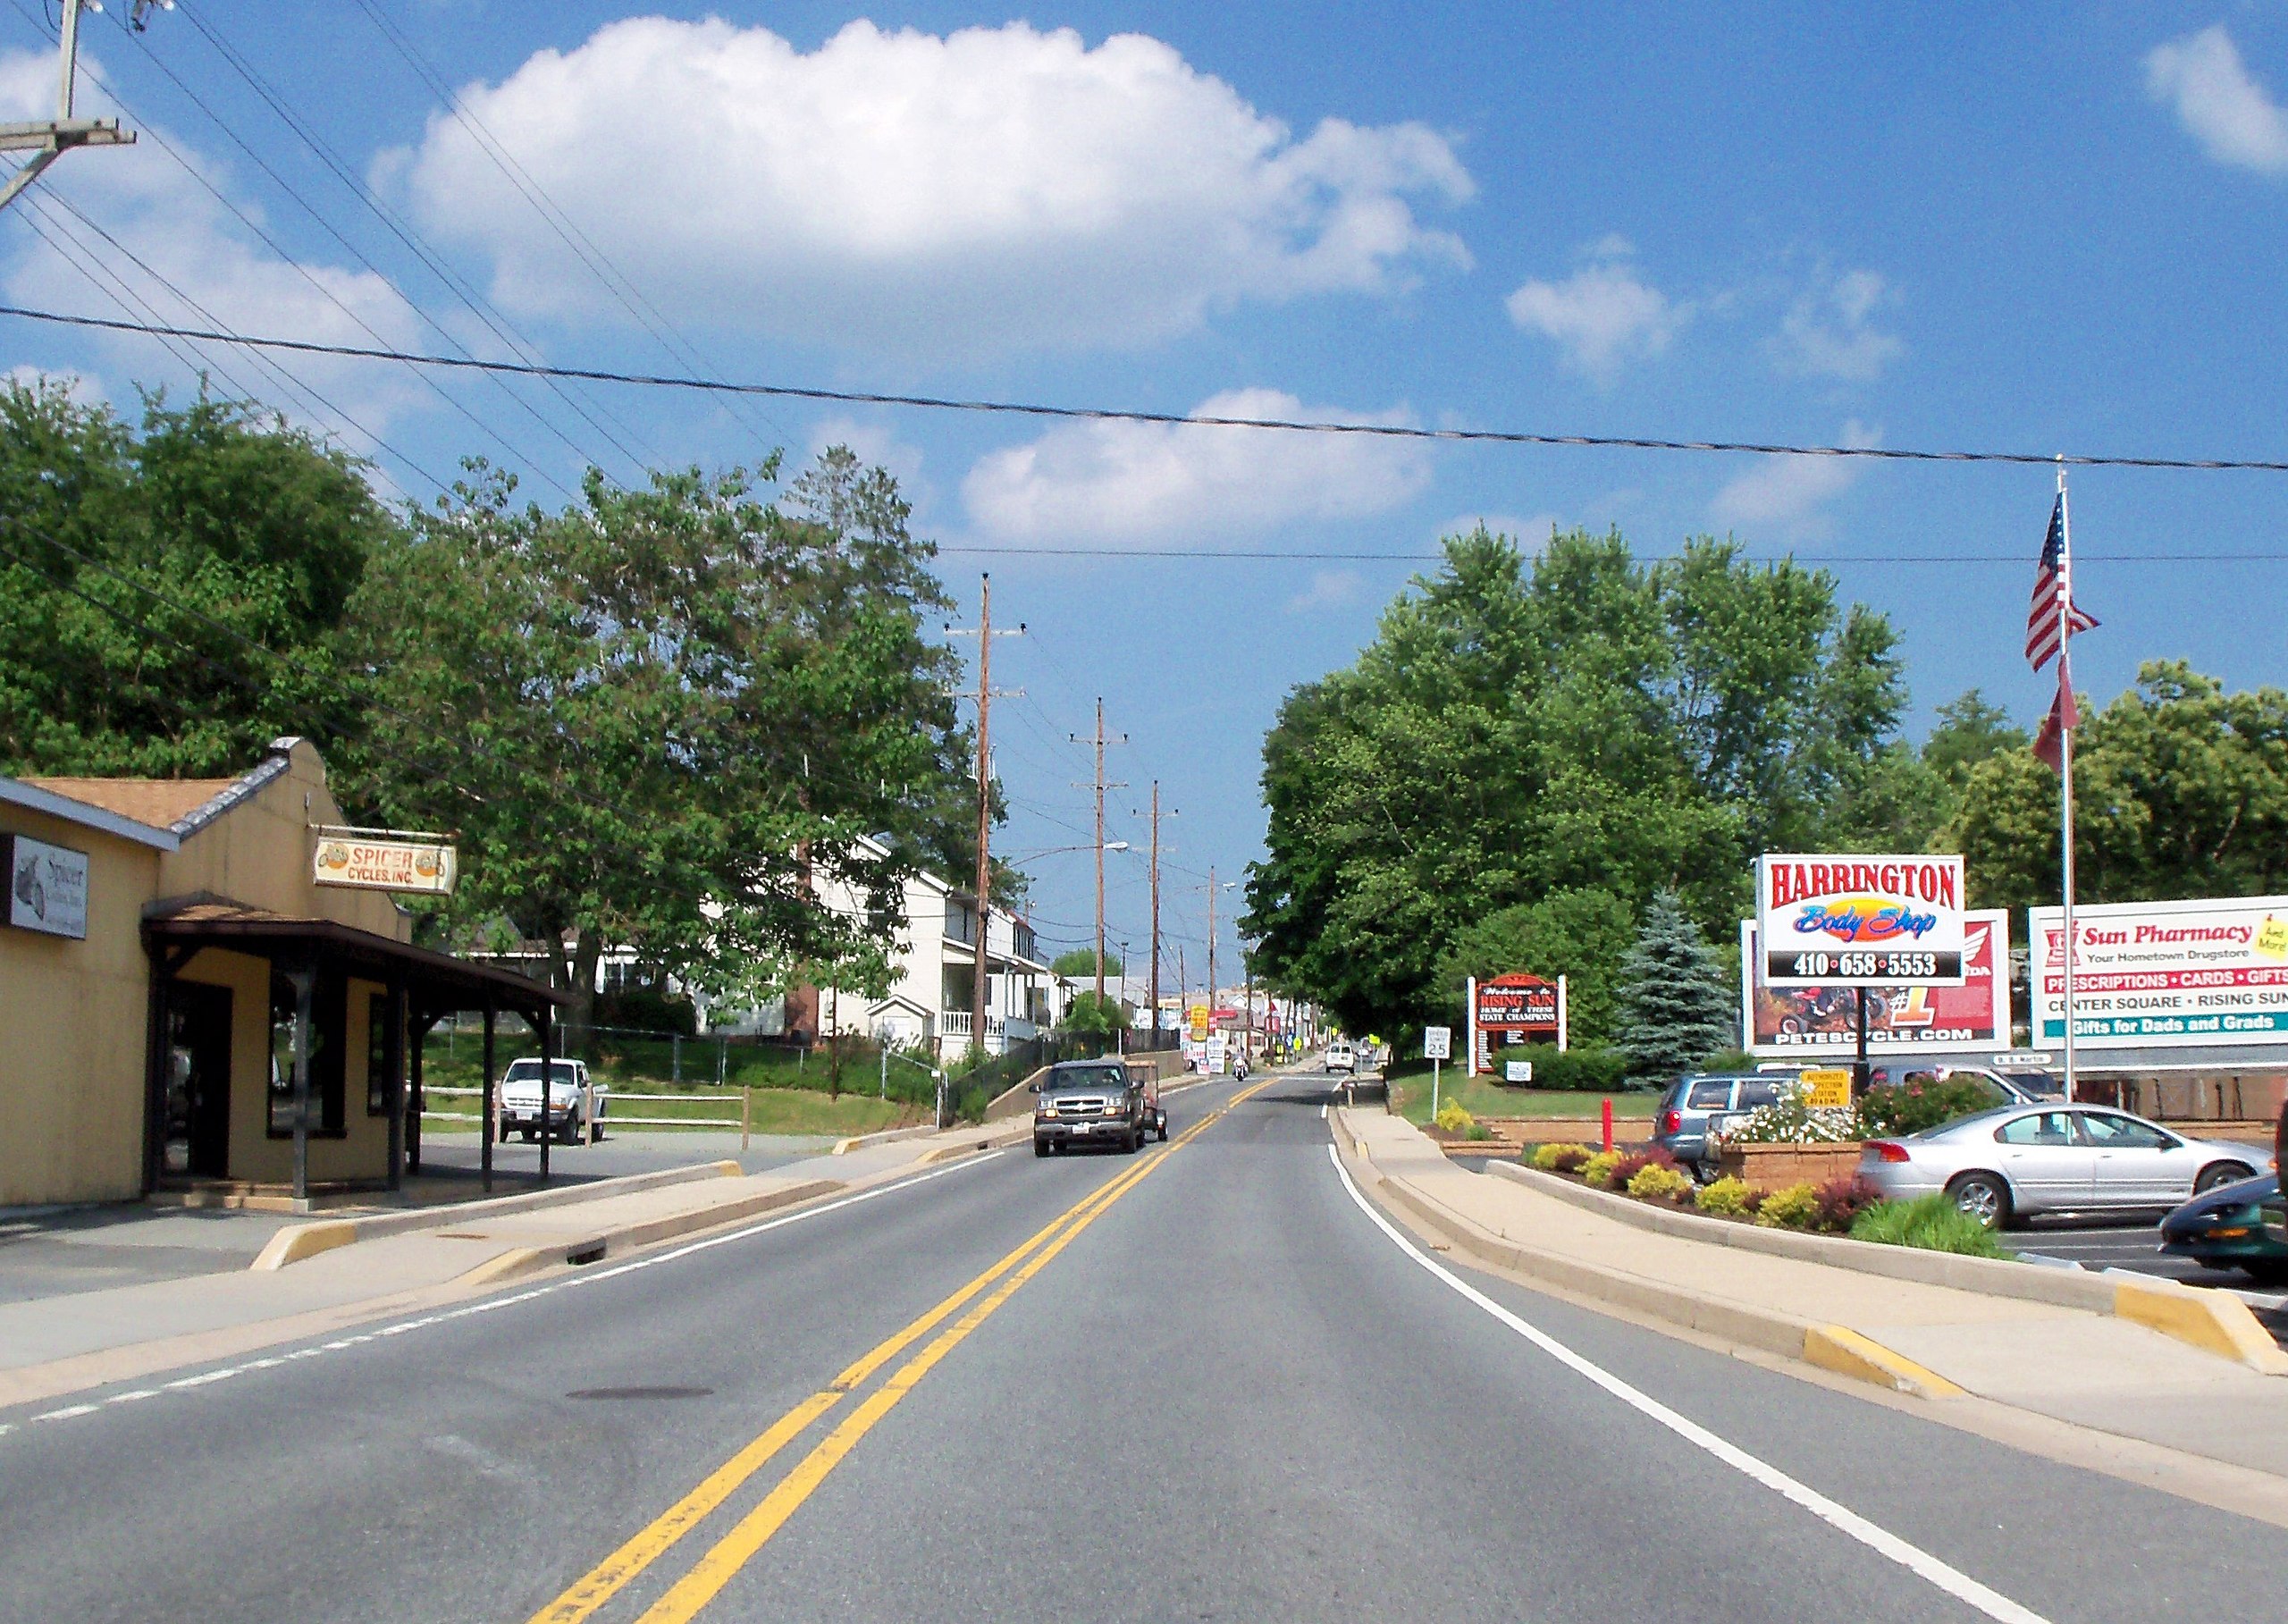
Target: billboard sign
{"x": 1780, "y": 1021}
{"x": 1860, "y": 921}
{"x": 2164, "y": 974}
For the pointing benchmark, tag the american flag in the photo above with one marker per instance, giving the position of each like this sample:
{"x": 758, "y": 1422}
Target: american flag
{"x": 2046, "y": 628}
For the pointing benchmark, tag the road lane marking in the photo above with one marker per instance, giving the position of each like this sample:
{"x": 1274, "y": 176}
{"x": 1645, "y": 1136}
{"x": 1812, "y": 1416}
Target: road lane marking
{"x": 66, "y": 1413}
{"x": 1875, "y": 1538}
{"x": 689, "y": 1595}
{"x": 608, "y": 1577}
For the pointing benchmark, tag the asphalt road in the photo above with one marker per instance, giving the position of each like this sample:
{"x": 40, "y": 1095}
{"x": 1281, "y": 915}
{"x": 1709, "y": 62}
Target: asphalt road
{"x": 1226, "y": 1390}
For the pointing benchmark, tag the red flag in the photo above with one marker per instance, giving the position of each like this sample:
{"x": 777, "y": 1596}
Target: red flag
{"x": 2049, "y": 743}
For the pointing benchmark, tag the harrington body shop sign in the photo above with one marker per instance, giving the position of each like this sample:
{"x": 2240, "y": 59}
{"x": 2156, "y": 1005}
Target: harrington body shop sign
{"x": 2165, "y": 974}
{"x": 1780, "y": 1021}
{"x": 1860, "y": 921}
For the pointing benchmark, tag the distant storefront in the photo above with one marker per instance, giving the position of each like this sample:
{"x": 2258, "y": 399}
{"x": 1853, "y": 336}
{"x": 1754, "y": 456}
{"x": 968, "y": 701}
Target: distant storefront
{"x": 182, "y": 999}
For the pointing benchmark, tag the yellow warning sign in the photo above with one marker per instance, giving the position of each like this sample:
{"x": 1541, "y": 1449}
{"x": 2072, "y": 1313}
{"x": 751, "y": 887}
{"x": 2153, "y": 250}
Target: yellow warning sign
{"x": 1827, "y": 1088}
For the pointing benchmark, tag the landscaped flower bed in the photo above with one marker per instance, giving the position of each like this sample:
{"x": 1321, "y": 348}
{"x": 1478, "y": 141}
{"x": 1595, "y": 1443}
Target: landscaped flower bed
{"x": 1843, "y": 1206}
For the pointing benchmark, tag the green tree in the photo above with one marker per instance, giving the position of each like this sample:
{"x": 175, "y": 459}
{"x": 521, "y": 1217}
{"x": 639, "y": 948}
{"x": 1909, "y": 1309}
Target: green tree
{"x": 2180, "y": 789}
{"x": 1969, "y": 731}
{"x": 1090, "y": 1017}
{"x": 658, "y": 717}
{"x": 144, "y": 570}
{"x": 1587, "y": 722}
{"x": 1082, "y": 962}
{"x": 1675, "y": 1008}
{"x": 1582, "y": 935}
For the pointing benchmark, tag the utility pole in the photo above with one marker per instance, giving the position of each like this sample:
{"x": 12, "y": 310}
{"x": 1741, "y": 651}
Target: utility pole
{"x": 48, "y": 140}
{"x": 985, "y": 695}
{"x": 1100, "y": 741}
{"x": 1155, "y": 989}
{"x": 1211, "y": 945}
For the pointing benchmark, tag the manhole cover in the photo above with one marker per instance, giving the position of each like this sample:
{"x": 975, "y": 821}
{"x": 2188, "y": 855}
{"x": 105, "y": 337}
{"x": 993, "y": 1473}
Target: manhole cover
{"x": 641, "y": 1392}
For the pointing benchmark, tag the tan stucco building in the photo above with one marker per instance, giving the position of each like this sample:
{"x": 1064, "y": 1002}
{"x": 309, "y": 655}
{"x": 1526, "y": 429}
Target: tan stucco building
{"x": 160, "y": 942}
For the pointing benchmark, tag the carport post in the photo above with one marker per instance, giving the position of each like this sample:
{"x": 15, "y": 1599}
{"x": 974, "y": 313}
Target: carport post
{"x": 1859, "y": 1067}
{"x": 393, "y": 1091}
{"x": 547, "y": 1083}
{"x": 484, "y": 1158}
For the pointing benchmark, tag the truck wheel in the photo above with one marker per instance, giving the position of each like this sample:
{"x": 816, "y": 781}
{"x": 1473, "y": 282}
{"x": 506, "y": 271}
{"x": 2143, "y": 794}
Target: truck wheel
{"x": 1041, "y": 1147}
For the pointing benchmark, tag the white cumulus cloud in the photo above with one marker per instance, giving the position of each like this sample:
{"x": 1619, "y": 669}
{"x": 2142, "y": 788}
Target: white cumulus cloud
{"x": 987, "y": 190}
{"x": 1330, "y": 589}
{"x": 1830, "y": 332}
{"x": 2219, "y": 101}
{"x": 1139, "y": 482}
{"x": 1784, "y": 495}
{"x": 1603, "y": 315}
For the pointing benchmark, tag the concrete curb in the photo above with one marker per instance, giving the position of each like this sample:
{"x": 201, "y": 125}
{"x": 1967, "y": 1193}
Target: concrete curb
{"x": 301, "y": 1240}
{"x": 594, "y": 1246}
{"x": 994, "y": 1139}
{"x": 888, "y": 1136}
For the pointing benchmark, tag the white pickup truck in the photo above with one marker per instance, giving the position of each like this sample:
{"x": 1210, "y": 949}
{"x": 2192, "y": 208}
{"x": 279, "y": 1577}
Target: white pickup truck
{"x": 576, "y": 1105}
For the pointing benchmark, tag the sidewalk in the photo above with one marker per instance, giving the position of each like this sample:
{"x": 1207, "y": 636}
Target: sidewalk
{"x": 2088, "y": 1368}
{"x": 56, "y": 1344}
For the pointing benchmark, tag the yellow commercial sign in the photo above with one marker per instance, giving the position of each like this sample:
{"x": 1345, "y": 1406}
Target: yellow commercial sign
{"x": 1199, "y": 1023}
{"x": 384, "y": 860}
{"x": 1827, "y": 1088}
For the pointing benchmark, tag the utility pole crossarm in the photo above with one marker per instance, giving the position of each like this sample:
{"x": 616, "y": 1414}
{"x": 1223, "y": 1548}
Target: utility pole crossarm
{"x": 48, "y": 140}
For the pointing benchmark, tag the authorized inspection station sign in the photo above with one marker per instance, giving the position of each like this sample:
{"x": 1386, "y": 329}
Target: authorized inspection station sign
{"x": 2164, "y": 974}
{"x": 1853, "y": 920}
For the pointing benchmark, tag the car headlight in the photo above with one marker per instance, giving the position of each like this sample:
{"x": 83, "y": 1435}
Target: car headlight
{"x": 1045, "y": 1109}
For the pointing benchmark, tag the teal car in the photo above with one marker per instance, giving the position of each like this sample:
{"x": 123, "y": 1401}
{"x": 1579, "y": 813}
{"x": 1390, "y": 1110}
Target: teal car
{"x": 2242, "y": 1225}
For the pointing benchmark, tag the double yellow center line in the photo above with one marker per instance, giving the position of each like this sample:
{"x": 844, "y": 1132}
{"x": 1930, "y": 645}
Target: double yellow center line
{"x": 980, "y": 1297}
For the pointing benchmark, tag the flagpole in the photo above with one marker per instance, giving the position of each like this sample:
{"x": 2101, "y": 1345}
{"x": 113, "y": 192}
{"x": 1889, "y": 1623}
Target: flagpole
{"x": 2065, "y": 756}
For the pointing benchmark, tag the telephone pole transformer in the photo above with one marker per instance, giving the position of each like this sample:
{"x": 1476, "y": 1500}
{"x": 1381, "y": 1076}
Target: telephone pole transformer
{"x": 48, "y": 140}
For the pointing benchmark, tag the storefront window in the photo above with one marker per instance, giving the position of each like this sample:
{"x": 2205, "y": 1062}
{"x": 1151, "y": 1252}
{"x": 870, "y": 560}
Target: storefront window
{"x": 328, "y": 1017}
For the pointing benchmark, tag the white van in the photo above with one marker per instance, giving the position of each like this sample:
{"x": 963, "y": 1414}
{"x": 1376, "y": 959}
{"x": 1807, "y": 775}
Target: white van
{"x": 1342, "y": 1057}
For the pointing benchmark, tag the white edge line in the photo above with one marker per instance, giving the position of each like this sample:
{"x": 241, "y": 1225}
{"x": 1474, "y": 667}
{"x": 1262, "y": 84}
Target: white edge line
{"x": 1880, "y": 1540}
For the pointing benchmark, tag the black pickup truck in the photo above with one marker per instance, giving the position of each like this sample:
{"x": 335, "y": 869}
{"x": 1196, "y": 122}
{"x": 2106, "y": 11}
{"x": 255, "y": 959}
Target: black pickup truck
{"x": 1093, "y": 1102}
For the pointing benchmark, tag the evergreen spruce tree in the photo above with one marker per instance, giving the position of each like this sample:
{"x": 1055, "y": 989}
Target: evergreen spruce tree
{"x": 1674, "y": 1008}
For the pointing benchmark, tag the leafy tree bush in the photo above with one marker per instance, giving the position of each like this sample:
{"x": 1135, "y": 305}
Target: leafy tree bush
{"x": 1454, "y": 1119}
{"x": 1586, "y": 1071}
{"x": 1726, "y": 1198}
{"x": 1080, "y": 964}
{"x": 1675, "y": 1008}
{"x": 1089, "y": 1016}
{"x": 1581, "y": 933}
{"x": 1842, "y": 1201}
{"x": 1599, "y": 1168}
{"x": 1633, "y": 1162}
{"x": 1561, "y": 1157}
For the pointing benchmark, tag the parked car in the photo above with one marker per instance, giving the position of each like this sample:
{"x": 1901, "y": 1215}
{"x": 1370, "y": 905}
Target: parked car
{"x": 1699, "y": 1101}
{"x": 576, "y": 1105}
{"x": 2233, "y": 1227}
{"x": 2018, "y": 1086}
{"x": 1342, "y": 1057}
{"x": 2014, "y": 1162}
{"x": 1089, "y": 1102}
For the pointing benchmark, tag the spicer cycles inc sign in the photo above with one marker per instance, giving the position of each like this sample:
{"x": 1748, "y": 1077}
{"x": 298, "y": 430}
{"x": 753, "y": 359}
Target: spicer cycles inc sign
{"x": 381, "y": 860}
{"x": 2165, "y": 974}
{"x": 48, "y": 886}
{"x": 1803, "y": 1021}
{"x": 1860, "y": 921}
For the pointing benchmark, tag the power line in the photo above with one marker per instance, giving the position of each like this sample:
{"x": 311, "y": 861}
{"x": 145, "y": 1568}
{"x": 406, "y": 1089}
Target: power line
{"x": 1273, "y": 555}
{"x": 1103, "y": 414}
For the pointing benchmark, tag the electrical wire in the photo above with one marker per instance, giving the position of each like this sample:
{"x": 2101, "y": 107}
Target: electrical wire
{"x": 1103, "y": 414}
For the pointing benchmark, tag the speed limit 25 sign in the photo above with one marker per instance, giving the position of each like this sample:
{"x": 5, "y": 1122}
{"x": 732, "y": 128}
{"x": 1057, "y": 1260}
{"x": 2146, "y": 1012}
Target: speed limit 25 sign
{"x": 1854, "y": 920}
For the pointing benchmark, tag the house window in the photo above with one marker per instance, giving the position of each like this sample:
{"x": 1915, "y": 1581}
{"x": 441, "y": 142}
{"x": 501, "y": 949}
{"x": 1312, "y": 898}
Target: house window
{"x": 329, "y": 1016}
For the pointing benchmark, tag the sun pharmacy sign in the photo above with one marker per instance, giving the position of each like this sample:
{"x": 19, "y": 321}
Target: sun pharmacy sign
{"x": 1859, "y": 920}
{"x": 2165, "y": 974}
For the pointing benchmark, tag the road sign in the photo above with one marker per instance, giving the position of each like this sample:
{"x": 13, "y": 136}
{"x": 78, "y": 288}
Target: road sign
{"x": 1437, "y": 1043}
{"x": 1827, "y": 1088}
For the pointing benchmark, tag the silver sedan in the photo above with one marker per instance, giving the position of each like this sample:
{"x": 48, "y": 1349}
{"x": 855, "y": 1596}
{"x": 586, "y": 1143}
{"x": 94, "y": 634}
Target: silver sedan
{"x": 2017, "y": 1161}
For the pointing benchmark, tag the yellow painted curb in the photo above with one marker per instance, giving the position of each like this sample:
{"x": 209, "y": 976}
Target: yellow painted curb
{"x": 2215, "y": 1322}
{"x": 303, "y": 1241}
{"x": 1844, "y": 1351}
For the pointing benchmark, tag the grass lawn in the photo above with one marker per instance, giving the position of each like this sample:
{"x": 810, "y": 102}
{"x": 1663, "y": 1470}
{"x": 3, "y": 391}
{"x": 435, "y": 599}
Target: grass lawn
{"x": 1483, "y": 1097}
{"x": 775, "y": 1111}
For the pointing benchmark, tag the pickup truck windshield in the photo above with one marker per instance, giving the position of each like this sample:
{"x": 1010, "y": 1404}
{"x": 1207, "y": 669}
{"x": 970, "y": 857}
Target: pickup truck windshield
{"x": 1098, "y": 1077}
{"x": 528, "y": 1071}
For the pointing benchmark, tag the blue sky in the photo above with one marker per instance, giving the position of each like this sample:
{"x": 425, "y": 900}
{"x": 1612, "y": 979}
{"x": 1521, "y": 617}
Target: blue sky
{"x": 2038, "y": 229}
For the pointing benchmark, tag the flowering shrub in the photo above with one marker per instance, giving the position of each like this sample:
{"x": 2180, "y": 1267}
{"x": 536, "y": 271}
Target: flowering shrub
{"x": 1726, "y": 1198}
{"x": 1791, "y": 1122}
{"x": 1842, "y": 1201}
{"x": 1453, "y": 1119}
{"x": 1922, "y": 1101}
{"x": 1634, "y": 1162}
{"x": 1797, "y": 1207}
{"x": 1598, "y": 1169}
{"x": 1560, "y": 1158}
{"x": 1655, "y": 1183}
